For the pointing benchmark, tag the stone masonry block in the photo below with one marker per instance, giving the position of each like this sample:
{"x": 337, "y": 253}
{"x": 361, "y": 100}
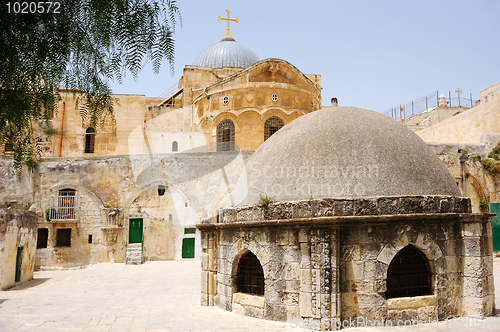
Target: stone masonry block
{"x": 344, "y": 207}
{"x": 435, "y": 251}
{"x": 445, "y": 205}
{"x": 304, "y": 235}
{"x": 472, "y": 246}
{"x": 474, "y": 287}
{"x": 244, "y": 214}
{"x": 364, "y": 207}
{"x": 387, "y": 254}
{"x": 354, "y": 270}
{"x": 473, "y": 267}
{"x": 301, "y": 210}
{"x": 305, "y": 304}
{"x": 423, "y": 240}
{"x": 388, "y": 205}
{"x": 471, "y": 229}
{"x": 410, "y": 205}
{"x": 305, "y": 281}
{"x": 229, "y": 215}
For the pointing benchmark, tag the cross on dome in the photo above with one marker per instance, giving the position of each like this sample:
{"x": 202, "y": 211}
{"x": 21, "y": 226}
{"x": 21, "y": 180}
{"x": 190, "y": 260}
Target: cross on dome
{"x": 228, "y": 20}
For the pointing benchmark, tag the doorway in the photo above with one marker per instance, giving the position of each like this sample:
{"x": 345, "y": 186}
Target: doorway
{"x": 188, "y": 248}
{"x": 135, "y": 230}
{"x": 19, "y": 263}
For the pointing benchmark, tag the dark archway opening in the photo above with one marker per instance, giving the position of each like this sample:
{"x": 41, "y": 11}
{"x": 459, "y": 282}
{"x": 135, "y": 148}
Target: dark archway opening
{"x": 409, "y": 274}
{"x": 250, "y": 276}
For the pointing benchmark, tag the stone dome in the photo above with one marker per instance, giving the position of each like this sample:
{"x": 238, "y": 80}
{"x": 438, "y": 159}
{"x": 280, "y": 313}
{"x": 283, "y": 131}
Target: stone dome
{"x": 226, "y": 53}
{"x": 344, "y": 152}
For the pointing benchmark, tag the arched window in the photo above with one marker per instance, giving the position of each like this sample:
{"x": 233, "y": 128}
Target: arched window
{"x": 272, "y": 125}
{"x": 89, "y": 140}
{"x": 225, "y": 136}
{"x": 250, "y": 277}
{"x": 409, "y": 274}
{"x": 175, "y": 146}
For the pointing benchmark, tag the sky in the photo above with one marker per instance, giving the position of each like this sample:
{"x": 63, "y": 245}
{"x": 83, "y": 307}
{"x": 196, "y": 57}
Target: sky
{"x": 372, "y": 54}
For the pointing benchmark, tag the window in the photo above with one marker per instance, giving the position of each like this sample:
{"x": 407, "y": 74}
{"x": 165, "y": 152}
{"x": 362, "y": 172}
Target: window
{"x": 189, "y": 230}
{"x": 250, "y": 277}
{"x": 409, "y": 274}
{"x": 89, "y": 140}
{"x": 225, "y": 136}
{"x": 225, "y": 100}
{"x": 274, "y": 97}
{"x": 63, "y": 237}
{"x": 175, "y": 146}
{"x": 272, "y": 125}
{"x": 9, "y": 147}
{"x": 90, "y": 239}
{"x": 43, "y": 236}
{"x": 65, "y": 206}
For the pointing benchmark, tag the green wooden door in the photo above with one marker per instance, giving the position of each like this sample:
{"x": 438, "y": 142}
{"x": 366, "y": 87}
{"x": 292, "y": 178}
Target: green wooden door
{"x": 135, "y": 231}
{"x": 188, "y": 248}
{"x": 495, "y": 225}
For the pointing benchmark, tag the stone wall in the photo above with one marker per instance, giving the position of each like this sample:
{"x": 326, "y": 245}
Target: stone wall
{"x": 480, "y": 185}
{"x": 468, "y": 126}
{"x": 18, "y": 229}
{"x": 325, "y": 261}
{"x": 114, "y": 189}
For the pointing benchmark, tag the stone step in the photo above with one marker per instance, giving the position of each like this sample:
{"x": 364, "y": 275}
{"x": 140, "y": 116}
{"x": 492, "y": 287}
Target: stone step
{"x": 134, "y": 253}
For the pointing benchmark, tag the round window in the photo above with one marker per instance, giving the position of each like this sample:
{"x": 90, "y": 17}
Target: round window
{"x": 225, "y": 100}
{"x": 274, "y": 97}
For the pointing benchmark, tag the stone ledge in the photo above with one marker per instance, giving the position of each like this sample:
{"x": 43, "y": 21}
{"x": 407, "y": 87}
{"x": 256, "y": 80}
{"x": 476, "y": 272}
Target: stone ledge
{"x": 414, "y": 302}
{"x": 335, "y": 207}
{"x": 211, "y": 224}
{"x": 249, "y": 300}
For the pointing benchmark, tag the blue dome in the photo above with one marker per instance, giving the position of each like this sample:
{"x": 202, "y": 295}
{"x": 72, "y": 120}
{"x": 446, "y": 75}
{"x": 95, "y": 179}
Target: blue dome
{"x": 226, "y": 53}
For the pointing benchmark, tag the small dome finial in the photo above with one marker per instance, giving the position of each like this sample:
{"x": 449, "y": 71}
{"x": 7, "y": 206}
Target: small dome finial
{"x": 442, "y": 101}
{"x": 228, "y": 34}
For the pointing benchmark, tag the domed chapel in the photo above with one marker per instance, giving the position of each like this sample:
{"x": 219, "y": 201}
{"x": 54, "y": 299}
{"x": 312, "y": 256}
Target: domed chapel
{"x": 347, "y": 216}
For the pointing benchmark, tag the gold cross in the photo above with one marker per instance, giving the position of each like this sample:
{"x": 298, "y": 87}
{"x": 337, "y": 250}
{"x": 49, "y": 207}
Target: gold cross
{"x": 227, "y": 19}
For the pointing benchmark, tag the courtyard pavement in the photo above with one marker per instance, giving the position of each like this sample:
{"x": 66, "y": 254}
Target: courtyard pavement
{"x": 155, "y": 296}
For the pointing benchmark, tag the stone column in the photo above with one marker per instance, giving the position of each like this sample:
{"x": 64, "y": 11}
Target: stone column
{"x": 208, "y": 267}
{"x": 316, "y": 284}
{"x": 478, "y": 287}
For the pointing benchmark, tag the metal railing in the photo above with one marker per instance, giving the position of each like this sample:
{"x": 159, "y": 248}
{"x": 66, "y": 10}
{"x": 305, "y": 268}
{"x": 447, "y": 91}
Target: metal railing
{"x": 64, "y": 208}
{"x": 427, "y": 103}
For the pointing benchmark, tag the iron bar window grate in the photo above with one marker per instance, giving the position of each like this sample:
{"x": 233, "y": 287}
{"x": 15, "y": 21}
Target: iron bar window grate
{"x": 409, "y": 274}
{"x": 65, "y": 206}
{"x": 250, "y": 277}
{"x": 272, "y": 125}
{"x": 225, "y": 136}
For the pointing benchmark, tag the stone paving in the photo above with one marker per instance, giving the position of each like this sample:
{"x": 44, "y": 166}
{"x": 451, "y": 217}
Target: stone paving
{"x": 155, "y": 296}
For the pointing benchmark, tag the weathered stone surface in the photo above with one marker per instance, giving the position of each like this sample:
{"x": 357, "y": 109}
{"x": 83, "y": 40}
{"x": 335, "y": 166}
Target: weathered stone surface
{"x": 413, "y": 302}
{"x": 249, "y": 300}
{"x": 344, "y": 207}
{"x": 364, "y": 207}
{"x": 388, "y": 205}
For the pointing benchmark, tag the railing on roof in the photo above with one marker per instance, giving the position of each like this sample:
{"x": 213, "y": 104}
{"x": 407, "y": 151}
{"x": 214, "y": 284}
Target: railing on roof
{"x": 427, "y": 103}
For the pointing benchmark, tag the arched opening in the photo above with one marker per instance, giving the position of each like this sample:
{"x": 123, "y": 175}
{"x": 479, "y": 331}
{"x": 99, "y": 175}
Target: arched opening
{"x": 225, "y": 136}
{"x": 250, "y": 276}
{"x": 89, "y": 140}
{"x": 272, "y": 125}
{"x": 409, "y": 274}
{"x": 175, "y": 146}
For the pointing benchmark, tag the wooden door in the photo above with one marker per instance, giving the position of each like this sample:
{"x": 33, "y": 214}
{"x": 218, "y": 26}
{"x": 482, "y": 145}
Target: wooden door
{"x": 135, "y": 230}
